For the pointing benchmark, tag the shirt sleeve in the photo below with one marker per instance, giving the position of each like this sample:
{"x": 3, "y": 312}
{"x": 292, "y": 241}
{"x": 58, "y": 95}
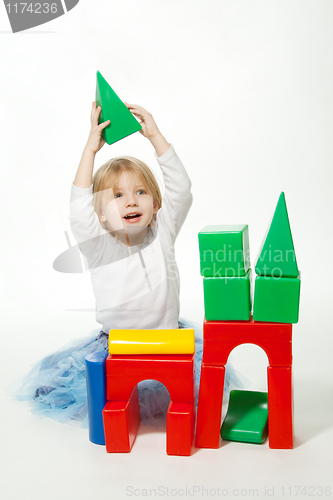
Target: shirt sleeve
{"x": 85, "y": 224}
{"x": 177, "y": 199}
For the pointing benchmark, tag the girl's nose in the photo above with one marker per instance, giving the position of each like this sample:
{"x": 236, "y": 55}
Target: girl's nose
{"x": 131, "y": 200}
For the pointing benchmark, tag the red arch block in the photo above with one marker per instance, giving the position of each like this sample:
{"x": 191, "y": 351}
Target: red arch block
{"x": 121, "y": 413}
{"x": 220, "y": 338}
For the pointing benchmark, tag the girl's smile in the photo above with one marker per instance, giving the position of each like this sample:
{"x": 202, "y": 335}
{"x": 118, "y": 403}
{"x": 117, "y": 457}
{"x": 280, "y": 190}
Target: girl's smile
{"x": 133, "y": 217}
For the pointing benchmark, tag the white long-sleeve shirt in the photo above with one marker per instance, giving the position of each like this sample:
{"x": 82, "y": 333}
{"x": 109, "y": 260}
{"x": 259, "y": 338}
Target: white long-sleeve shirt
{"x": 136, "y": 287}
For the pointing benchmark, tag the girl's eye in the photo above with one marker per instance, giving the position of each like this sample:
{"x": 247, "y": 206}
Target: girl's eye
{"x": 141, "y": 191}
{"x": 117, "y": 195}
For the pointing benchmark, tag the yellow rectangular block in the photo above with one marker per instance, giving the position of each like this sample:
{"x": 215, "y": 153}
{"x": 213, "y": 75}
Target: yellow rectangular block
{"x": 177, "y": 341}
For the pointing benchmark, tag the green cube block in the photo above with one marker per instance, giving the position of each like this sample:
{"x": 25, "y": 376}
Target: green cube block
{"x": 228, "y": 299}
{"x": 224, "y": 250}
{"x": 247, "y": 417}
{"x": 276, "y": 299}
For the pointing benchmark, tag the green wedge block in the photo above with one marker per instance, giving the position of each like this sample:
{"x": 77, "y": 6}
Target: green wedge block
{"x": 228, "y": 299}
{"x": 277, "y": 255}
{"x": 224, "y": 250}
{"x": 247, "y": 417}
{"x": 122, "y": 121}
{"x": 276, "y": 300}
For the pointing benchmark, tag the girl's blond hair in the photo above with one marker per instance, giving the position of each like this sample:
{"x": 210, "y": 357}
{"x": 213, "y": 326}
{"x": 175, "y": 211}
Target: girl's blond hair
{"x": 106, "y": 178}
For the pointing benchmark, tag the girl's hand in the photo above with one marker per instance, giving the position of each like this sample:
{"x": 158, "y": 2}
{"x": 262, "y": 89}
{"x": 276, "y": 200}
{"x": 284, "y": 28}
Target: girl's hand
{"x": 149, "y": 129}
{"x": 95, "y": 141}
{"x": 147, "y": 122}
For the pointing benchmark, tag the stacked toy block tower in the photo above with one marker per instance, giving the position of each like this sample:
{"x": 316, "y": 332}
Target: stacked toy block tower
{"x": 224, "y": 256}
{"x": 276, "y": 300}
{"x": 225, "y": 267}
{"x": 277, "y": 284}
{"x": 113, "y": 400}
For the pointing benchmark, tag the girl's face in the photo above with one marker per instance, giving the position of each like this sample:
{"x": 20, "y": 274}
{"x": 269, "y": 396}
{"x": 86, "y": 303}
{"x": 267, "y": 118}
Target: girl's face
{"x": 131, "y": 208}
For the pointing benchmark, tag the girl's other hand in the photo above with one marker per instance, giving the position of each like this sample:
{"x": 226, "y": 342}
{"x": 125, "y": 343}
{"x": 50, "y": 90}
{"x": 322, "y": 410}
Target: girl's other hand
{"x": 147, "y": 122}
{"x": 95, "y": 140}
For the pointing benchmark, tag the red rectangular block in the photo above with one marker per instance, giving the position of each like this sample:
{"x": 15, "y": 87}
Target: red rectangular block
{"x": 121, "y": 423}
{"x": 176, "y": 372}
{"x": 243, "y": 330}
{"x": 180, "y": 428}
{"x": 280, "y": 407}
{"x": 216, "y": 352}
{"x": 210, "y": 406}
{"x": 221, "y": 337}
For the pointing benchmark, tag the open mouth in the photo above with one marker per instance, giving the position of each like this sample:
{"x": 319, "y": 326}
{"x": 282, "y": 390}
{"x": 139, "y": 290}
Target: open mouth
{"x": 132, "y": 217}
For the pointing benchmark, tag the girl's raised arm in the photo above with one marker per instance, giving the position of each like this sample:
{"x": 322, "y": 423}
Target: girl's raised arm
{"x": 177, "y": 198}
{"x": 95, "y": 142}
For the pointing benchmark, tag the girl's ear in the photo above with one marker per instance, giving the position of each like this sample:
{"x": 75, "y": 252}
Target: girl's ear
{"x": 155, "y": 208}
{"x": 101, "y": 216}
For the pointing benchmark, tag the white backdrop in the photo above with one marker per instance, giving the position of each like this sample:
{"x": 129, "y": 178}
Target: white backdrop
{"x": 243, "y": 90}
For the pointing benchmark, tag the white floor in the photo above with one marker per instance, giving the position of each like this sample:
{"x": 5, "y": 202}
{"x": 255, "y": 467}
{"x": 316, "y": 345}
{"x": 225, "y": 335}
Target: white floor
{"x": 42, "y": 459}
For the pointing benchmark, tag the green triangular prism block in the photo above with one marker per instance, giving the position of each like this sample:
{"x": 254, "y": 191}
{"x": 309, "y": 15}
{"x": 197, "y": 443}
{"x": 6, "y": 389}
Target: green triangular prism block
{"x": 122, "y": 121}
{"x": 277, "y": 254}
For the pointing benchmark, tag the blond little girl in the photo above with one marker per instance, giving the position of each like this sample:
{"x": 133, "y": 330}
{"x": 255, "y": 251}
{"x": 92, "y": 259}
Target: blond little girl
{"x": 127, "y": 233}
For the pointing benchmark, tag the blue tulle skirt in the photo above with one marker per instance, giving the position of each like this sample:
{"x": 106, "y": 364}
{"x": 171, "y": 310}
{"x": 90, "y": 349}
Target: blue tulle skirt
{"x": 56, "y": 385}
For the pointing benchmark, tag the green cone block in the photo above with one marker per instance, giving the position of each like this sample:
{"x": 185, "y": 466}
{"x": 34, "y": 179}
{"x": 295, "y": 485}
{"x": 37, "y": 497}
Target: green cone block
{"x": 224, "y": 250}
{"x": 277, "y": 255}
{"x": 246, "y": 418}
{"x": 122, "y": 121}
{"x": 228, "y": 299}
{"x": 276, "y": 300}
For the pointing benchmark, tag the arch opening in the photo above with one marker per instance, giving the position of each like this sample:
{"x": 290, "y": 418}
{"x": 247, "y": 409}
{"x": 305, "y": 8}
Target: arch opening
{"x": 250, "y": 363}
{"x": 154, "y": 400}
